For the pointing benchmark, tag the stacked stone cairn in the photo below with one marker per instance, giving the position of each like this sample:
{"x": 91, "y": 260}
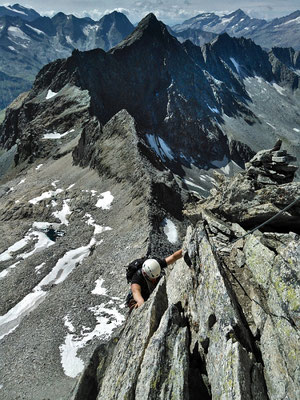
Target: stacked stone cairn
{"x": 272, "y": 167}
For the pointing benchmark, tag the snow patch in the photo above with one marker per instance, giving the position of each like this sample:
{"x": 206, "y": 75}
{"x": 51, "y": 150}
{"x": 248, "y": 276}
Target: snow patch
{"x": 16, "y": 32}
{"x": 6, "y": 270}
{"x": 66, "y": 264}
{"x": 279, "y": 89}
{"x": 37, "y": 268}
{"x": 90, "y": 28}
{"x": 107, "y": 320}
{"x": 50, "y": 94}
{"x": 297, "y": 20}
{"x": 296, "y": 130}
{"x": 72, "y": 365}
{"x": 35, "y": 30}
{"x": 11, "y": 320}
{"x": 188, "y": 182}
{"x": 43, "y": 242}
{"x": 98, "y": 228}
{"x": 39, "y": 166}
{"x": 160, "y": 147}
{"x": 213, "y": 109}
{"x": 236, "y": 65}
{"x": 56, "y": 135}
{"x": 259, "y": 79}
{"x": 68, "y": 39}
{"x": 170, "y": 230}
{"x": 12, "y": 48}
{"x": 106, "y": 201}
{"x": 54, "y": 183}
{"x": 65, "y": 211}
{"x": 45, "y": 195}
{"x": 272, "y": 126}
{"x": 41, "y": 225}
{"x": 99, "y": 290}
{"x": 14, "y": 10}
{"x": 69, "y": 324}
{"x": 226, "y": 20}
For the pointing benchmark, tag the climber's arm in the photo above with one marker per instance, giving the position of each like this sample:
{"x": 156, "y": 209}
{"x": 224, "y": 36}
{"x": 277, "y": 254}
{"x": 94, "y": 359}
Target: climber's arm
{"x": 137, "y": 294}
{"x": 174, "y": 257}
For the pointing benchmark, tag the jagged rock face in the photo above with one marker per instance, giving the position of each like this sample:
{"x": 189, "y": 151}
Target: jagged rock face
{"x": 225, "y": 323}
{"x": 264, "y": 189}
{"x": 289, "y": 57}
{"x": 68, "y": 110}
{"x": 284, "y": 66}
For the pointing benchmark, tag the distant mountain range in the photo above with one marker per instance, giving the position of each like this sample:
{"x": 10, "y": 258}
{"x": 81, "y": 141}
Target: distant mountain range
{"x": 28, "y": 41}
{"x": 280, "y": 32}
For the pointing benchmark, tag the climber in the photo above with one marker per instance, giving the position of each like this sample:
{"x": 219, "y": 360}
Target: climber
{"x": 145, "y": 279}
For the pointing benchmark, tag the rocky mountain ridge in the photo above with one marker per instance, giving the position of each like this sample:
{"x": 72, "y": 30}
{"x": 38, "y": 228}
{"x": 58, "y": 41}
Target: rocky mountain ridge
{"x": 180, "y": 88}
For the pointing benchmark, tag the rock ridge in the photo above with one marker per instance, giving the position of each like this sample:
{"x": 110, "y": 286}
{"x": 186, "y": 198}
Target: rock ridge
{"x": 227, "y": 308}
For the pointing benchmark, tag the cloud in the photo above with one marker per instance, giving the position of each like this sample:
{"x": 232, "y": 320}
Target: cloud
{"x": 169, "y": 11}
{"x": 121, "y": 10}
{"x": 49, "y": 13}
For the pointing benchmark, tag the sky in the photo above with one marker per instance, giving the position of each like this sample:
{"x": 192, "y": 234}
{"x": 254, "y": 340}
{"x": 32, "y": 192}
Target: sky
{"x": 169, "y": 11}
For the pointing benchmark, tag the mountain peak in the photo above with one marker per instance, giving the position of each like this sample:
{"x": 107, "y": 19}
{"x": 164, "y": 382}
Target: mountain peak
{"x": 239, "y": 11}
{"x": 150, "y": 28}
{"x": 237, "y": 14}
{"x": 221, "y": 39}
{"x": 16, "y": 10}
{"x": 149, "y": 21}
{"x": 114, "y": 14}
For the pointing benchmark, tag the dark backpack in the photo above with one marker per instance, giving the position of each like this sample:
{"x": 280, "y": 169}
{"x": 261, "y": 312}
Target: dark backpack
{"x": 133, "y": 267}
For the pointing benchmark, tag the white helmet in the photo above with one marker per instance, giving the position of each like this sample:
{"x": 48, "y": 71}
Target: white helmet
{"x": 151, "y": 268}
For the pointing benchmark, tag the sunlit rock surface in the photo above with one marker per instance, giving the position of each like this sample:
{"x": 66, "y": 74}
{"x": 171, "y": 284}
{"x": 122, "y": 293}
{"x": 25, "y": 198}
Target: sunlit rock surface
{"x": 223, "y": 324}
